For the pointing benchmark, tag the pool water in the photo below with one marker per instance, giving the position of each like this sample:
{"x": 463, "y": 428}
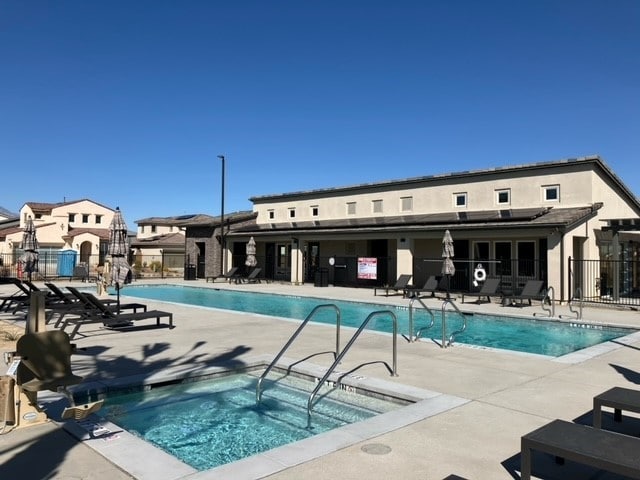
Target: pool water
{"x": 213, "y": 422}
{"x": 530, "y": 335}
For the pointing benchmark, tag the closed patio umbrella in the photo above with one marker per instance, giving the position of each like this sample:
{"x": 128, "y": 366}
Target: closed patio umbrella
{"x": 30, "y": 247}
{"x": 448, "y": 267}
{"x": 251, "y": 260}
{"x": 118, "y": 248}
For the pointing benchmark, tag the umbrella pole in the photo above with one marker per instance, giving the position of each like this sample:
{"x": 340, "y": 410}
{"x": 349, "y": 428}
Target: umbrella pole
{"x": 117, "y": 298}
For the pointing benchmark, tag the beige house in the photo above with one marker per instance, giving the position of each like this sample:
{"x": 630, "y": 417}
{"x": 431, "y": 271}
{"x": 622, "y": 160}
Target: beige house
{"x": 77, "y": 228}
{"x": 521, "y": 222}
{"x": 159, "y": 247}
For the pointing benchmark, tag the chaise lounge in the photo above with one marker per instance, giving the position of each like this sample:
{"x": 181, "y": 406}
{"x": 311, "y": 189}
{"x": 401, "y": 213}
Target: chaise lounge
{"x": 101, "y": 313}
{"x": 401, "y": 284}
{"x": 532, "y": 290}
{"x": 489, "y": 289}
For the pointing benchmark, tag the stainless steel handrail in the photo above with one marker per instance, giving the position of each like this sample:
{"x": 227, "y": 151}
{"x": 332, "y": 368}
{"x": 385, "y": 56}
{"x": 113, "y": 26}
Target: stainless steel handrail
{"x": 577, "y": 313}
{"x": 446, "y": 302}
{"x": 338, "y": 359}
{"x": 551, "y": 310}
{"x": 293, "y": 337}
{"x": 429, "y": 311}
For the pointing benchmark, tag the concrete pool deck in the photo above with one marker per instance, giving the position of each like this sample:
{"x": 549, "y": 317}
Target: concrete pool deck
{"x": 506, "y": 394}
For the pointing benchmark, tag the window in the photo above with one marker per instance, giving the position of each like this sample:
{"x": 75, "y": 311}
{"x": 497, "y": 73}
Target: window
{"x": 406, "y": 204}
{"x": 141, "y": 228}
{"x": 314, "y": 211}
{"x": 503, "y": 197}
{"x": 292, "y": 213}
{"x": 526, "y": 258}
{"x": 85, "y": 218}
{"x": 551, "y": 193}
{"x": 272, "y": 214}
{"x": 460, "y": 199}
{"x": 351, "y": 208}
{"x": 503, "y": 255}
{"x": 153, "y": 229}
{"x": 376, "y": 206}
{"x": 98, "y": 219}
{"x": 72, "y": 217}
{"x": 38, "y": 216}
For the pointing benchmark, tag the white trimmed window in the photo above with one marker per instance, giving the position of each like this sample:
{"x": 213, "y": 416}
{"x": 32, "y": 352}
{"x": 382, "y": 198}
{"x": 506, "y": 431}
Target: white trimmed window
{"x": 460, "y": 199}
{"x": 503, "y": 196}
{"x": 551, "y": 193}
{"x": 376, "y": 206}
{"x": 351, "y": 208}
{"x": 271, "y": 214}
{"x": 315, "y": 211}
{"x": 292, "y": 213}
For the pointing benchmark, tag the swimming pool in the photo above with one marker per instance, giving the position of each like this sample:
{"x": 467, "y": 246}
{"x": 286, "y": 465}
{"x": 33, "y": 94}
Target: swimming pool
{"x": 375, "y": 407}
{"x": 213, "y": 422}
{"x": 530, "y": 335}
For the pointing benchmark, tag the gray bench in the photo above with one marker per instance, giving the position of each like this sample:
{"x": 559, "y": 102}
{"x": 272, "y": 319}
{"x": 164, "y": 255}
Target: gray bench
{"x": 597, "y": 448}
{"x": 617, "y": 398}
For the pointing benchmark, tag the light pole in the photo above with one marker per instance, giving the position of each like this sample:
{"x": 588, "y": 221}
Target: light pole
{"x": 222, "y": 242}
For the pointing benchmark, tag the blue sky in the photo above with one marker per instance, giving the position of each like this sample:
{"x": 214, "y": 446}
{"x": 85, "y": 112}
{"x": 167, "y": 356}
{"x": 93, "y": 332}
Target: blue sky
{"x": 129, "y": 102}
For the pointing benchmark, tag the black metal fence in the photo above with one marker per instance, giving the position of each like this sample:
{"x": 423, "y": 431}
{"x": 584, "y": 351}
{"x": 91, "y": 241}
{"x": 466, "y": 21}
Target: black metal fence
{"x": 68, "y": 264}
{"x": 605, "y": 281}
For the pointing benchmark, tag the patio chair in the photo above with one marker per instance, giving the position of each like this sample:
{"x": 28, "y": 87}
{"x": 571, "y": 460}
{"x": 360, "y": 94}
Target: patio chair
{"x": 399, "y": 287}
{"x": 532, "y": 291}
{"x": 489, "y": 289}
{"x": 9, "y": 301}
{"x": 430, "y": 286}
{"x": 108, "y": 316}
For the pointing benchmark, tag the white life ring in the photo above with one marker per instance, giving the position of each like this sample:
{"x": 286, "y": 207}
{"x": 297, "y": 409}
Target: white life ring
{"x": 479, "y": 274}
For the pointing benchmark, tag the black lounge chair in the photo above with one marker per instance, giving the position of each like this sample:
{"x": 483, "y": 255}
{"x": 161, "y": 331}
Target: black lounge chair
{"x": 602, "y": 449}
{"x": 489, "y": 289}
{"x": 232, "y": 274}
{"x": 532, "y": 291}
{"x": 108, "y": 316}
{"x": 430, "y": 286}
{"x": 401, "y": 284}
{"x": 252, "y": 277}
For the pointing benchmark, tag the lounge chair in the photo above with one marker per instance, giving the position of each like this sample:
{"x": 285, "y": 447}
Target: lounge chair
{"x": 9, "y": 301}
{"x": 532, "y": 291}
{"x": 232, "y": 274}
{"x": 489, "y": 289}
{"x": 401, "y": 284}
{"x": 430, "y": 286}
{"x": 586, "y": 445}
{"x": 252, "y": 277}
{"x": 105, "y": 314}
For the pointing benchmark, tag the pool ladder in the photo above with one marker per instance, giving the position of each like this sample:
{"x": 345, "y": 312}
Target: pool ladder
{"x": 415, "y": 337}
{"x": 549, "y": 296}
{"x": 294, "y": 336}
{"x": 393, "y": 369}
{"x": 448, "y": 343}
{"x": 576, "y": 313}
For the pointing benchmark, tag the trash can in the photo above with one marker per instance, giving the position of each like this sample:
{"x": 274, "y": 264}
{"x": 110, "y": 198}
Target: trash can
{"x": 322, "y": 277}
{"x": 190, "y": 272}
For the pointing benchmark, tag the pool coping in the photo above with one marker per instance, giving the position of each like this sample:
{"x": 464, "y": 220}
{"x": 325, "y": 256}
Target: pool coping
{"x": 148, "y": 462}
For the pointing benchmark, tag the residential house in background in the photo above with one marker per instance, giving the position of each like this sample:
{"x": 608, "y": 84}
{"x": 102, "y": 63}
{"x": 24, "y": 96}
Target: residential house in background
{"x": 68, "y": 233}
{"x": 158, "y": 249}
